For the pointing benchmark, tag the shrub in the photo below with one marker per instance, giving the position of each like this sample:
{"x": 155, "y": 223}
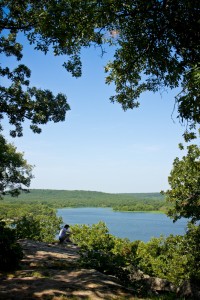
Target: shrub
{"x": 103, "y": 251}
{"x": 192, "y": 249}
{"x": 96, "y": 243}
{"x": 175, "y": 258}
{"x": 10, "y": 251}
{"x": 40, "y": 225}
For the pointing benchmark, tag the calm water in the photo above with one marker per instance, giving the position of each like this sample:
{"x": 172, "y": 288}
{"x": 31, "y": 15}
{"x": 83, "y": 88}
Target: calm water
{"x": 131, "y": 225}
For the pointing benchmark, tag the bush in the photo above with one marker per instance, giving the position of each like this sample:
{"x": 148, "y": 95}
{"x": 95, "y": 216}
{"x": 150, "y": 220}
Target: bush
{"x": 42, "y": 224}
{"x": 10, "y": 251}
{"x": 175, "y": 258}
{"x": 192, "y": 248}
{"x": 96, "y": 243}
{"x": 103, "y": 251}
{"x": 164, "y": 258}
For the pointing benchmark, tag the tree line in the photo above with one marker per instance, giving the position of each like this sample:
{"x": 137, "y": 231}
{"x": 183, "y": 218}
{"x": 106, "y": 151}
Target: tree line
{"x": 60, "y": 199}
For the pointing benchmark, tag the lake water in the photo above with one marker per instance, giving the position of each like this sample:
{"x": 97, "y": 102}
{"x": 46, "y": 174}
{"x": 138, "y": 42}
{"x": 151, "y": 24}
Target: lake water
{"x": 131, "y": 225}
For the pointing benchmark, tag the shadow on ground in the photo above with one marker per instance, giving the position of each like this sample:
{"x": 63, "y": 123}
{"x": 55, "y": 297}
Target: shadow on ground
{"x": 52, "y": 272}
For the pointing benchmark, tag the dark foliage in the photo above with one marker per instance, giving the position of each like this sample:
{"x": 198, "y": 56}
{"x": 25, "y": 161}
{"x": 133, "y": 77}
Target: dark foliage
{"x": 10, "y": 251}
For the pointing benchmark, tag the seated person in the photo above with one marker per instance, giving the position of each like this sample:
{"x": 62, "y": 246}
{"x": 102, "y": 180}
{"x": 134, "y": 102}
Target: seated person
{"x": 64, "y": 234}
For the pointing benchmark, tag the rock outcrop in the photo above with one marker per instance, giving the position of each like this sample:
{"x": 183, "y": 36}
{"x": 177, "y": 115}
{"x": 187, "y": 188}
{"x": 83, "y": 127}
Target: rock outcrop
{"x": 51, "y": 271}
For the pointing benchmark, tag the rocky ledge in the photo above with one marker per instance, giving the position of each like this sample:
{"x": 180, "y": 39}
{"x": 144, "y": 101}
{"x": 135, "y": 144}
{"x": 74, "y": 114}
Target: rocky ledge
{"x": 52, "y": 272}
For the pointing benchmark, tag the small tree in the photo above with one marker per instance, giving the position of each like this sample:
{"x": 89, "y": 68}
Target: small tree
{"x": 184, "y": 180}
{"x": 15, "y": 172}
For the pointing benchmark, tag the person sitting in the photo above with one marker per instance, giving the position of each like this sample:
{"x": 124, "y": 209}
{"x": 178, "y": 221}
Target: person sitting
{"x": 64, "y": 234}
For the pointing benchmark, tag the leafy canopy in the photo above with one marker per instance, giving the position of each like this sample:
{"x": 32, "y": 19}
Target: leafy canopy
{"x": 19, "y": 101}
{"x": 156, "y": 46}
{"x": 156, "y": 42}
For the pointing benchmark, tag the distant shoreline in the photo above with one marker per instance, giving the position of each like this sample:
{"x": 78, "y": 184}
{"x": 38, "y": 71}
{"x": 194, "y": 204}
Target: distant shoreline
{"x": 115, "y": 210}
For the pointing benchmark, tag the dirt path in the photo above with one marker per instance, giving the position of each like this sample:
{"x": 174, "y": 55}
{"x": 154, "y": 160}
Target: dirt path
{"x": 52, "y": 272}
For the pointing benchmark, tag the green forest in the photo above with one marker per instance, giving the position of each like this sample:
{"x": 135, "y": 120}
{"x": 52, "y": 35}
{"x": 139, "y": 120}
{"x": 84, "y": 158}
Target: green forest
{"x": 64, "y": 198}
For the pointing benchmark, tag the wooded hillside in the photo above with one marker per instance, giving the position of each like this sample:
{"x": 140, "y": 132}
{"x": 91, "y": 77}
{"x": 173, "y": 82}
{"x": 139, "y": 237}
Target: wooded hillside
{"x": 64, "y": 198}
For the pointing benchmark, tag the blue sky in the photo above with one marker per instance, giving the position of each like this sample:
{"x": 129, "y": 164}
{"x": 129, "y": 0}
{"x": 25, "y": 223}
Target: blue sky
{"x": 99, "y": 147}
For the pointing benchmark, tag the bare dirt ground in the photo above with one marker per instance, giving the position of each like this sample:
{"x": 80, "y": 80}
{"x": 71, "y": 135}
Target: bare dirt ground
{"x": 51, "y": 271}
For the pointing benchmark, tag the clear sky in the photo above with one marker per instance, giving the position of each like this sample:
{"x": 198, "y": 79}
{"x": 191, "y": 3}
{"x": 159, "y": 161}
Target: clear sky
{"x": 99, "y": 147}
